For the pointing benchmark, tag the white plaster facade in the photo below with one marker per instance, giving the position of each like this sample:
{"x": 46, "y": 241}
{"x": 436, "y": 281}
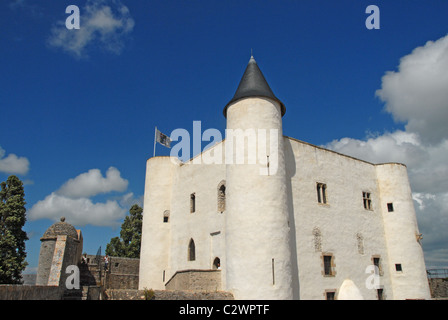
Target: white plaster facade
{"x": 272, "y": 237}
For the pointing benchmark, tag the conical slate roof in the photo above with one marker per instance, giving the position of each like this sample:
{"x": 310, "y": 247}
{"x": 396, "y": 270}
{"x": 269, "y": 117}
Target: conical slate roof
{"x": 253, "y": 84}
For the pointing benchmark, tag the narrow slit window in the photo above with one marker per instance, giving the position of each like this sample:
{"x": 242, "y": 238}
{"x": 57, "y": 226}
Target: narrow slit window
{"x": 192, "y": 203}
{"x": 191, "y": 251}
{"x": 376, "y": 260}
{"x": 380, "y": 294}
{"x": 221, "y": 197}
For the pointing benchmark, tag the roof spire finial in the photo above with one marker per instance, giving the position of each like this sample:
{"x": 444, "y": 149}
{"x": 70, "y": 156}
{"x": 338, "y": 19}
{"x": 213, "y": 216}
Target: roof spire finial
{"x": 251, "y": 53}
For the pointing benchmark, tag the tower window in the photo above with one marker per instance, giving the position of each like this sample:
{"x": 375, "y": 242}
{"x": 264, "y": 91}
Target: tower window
{"x": 329, "y": 295}
{"x": 380, "y": 294}
{"x": 321, "y": 192}
{"x": 192, "y": 203}
{"x": 328, "y": 265}
{"x": 398, "y": 267}
{"x": 191, "y": 251}
{"x": 166, "y": 216}
{"x": 376, "y": 260}
{"x": 390, "y": 207}
{"x": 217, "y": 264}
{"x": 367, "y": 200}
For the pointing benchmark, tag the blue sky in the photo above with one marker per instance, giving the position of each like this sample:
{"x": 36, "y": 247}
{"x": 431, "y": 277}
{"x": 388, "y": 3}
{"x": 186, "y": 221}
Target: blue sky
{"x": 78, "y": 108}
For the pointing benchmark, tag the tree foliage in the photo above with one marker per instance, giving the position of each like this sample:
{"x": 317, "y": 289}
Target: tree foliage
{"x": 128, "y": 244}
{"x": 12, "y": 237}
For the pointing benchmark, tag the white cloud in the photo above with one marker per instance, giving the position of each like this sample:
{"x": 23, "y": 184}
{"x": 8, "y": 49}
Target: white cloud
{"x": 128, "y": 200}
{"x": 73, "y": 201}
{"x": 79, "y": 212}
{"x": 13, "y": 164}
{"x": 417, "y": 95}
{"x": 91, "y": 183}
{"x": 104, "y": 24}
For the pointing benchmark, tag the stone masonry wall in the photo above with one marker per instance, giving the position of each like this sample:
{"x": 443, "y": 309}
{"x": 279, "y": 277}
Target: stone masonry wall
{"x": 166, "y": 295}
{"x": 21, "y": 292}
{"x": 196, "y": 280}
{"x": 439, "y": 288}
{"x": 122, "y": 273}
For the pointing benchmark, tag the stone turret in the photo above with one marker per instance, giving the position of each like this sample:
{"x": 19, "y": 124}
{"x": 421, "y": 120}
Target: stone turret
{"x": 258, "y": 256}
{"x": 61, "y": 246}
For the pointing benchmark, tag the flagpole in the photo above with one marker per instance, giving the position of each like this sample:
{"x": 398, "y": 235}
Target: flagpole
{"x": 155, "y": 138}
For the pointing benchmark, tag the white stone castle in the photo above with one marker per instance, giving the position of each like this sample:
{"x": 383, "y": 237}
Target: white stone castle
{"x": 322, "y": 225}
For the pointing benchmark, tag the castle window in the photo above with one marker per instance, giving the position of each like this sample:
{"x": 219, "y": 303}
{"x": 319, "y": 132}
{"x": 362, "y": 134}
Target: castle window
{"x": 367, "y": 200}
{"x": 166, "y": 216}
{"x": 217, "y": 264}
{"x": 330, "y": 295}
{"x": 191, "y": 251}
{"x": 380, "y": 294}
{"x": 328, "y": 261}
{"x": 222, "y": 196}
{"x": 192, "y": 202}
{"x": 390, "y": 207}
{"x": 376, "y": 260}
{"x": 321, "y": 192}
{"x": 398, "y": 267}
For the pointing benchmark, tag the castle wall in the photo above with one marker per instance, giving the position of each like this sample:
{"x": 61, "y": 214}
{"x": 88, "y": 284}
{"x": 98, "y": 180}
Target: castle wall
{"x": 409, "y": 281}
{"x": 206, "y": 224}
{"x": 156, "y": 241}
{"x": 341, "y": 227}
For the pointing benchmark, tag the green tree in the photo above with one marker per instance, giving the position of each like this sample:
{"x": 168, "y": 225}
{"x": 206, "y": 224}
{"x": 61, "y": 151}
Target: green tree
{"x": 128, "y": 244}
{"x": 12, "y": 237}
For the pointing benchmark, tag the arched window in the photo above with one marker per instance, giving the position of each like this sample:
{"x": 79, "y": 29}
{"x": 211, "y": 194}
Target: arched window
{"x": 217, "y": 264}
{"x": 192, "y": 202}
{"x": 222, "y": 196}
{"x": 166, "y": 216}
{"x": 191, "y": 251}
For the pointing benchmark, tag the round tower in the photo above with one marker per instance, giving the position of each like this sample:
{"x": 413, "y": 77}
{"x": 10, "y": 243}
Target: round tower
{"x": 155, "y": 243}
{"x": 258, "y": 257}
{"x": 405, "y": 254}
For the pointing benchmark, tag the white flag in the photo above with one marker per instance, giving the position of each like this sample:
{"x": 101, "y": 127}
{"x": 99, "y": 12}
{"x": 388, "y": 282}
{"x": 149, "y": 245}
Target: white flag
{"x": 163, "y": 139}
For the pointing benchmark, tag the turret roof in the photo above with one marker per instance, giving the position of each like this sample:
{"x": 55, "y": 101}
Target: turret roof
{"x": 253, "y": 84}
{"x": 60, "y": 228}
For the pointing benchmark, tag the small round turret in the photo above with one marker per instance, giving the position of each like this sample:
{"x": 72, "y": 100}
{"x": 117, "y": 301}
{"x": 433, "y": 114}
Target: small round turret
{"x": 60, "y": 228}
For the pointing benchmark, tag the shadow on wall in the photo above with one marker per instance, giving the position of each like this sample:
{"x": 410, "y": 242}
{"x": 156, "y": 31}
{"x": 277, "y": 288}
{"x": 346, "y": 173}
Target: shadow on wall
{"x": 290, "y": 163}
